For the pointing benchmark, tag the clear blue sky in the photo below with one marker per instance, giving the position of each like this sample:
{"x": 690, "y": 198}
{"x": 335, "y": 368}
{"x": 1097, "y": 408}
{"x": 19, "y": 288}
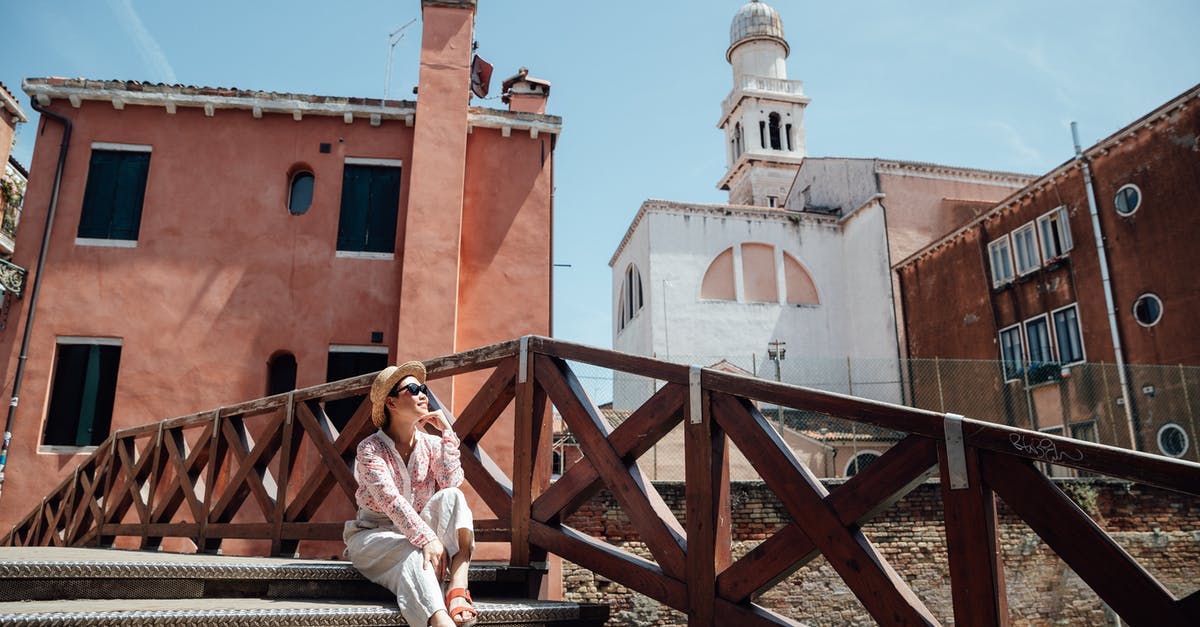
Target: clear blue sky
{"x": 639, "y": 84}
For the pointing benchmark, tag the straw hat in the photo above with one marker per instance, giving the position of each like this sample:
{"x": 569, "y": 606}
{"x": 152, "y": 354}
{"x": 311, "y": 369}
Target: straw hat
{"x": 385, "y": 381}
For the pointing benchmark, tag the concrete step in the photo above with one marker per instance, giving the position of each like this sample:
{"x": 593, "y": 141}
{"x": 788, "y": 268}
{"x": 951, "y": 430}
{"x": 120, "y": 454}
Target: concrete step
{"x": 52, "y": 586}
{"x": 46, "y": 573}
{"x": 276, "y": 613}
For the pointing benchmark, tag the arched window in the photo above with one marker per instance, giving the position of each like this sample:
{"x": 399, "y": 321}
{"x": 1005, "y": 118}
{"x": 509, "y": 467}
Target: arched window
{"x": 762, "y": 134}
{"x": 281, "y": 373}
{"x": 860, "y": 461}
{"x": 718, "y": 279}
{"x": 789, "y": 137}
{"x": 300, "y": 192}
{"x": 800, "y": 287}
{"x": 776, "y": 131}
{"x": 631, "y": 296}
{"x": 759, "y": 277}
{"x": 737, "y": 140}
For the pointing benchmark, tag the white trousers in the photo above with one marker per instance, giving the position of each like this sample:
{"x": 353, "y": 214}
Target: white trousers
{"x": 386, "y": 557}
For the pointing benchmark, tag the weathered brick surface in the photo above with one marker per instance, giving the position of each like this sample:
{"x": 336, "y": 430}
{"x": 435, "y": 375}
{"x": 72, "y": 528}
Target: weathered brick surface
{"x": 1160, "y": 529}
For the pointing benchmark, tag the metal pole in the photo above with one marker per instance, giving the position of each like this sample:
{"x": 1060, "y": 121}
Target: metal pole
{"x": 1107, "y": 284}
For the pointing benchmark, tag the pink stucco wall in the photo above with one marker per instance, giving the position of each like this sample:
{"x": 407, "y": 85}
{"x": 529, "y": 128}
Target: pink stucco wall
{"x": 223, "y": 276}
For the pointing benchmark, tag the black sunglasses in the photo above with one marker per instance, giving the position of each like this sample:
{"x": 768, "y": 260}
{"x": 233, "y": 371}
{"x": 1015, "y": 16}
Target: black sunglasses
{"x": 412, "y": 388}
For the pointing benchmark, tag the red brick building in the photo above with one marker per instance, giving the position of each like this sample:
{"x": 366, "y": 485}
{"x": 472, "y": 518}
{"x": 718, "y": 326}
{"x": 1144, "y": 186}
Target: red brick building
{"x": 1023, "y": 286}
{"x": 212, "y": 245}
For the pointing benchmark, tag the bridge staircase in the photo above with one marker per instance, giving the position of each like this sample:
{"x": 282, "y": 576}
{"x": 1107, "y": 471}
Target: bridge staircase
{"x": 276, "y": 471}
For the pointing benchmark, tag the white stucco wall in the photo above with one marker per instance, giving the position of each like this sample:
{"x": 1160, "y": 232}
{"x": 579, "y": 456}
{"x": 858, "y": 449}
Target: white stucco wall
{"x": 674, "y": 243}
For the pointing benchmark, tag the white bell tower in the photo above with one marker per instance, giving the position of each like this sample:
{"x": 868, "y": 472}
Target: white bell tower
{"x": 763, "y": 117}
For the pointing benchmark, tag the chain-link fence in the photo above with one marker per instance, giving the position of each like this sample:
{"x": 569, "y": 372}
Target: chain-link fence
{"x": 1159, "y": 411}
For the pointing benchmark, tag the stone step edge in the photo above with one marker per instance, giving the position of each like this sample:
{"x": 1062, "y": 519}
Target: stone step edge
{"x": 266, "y": 612}
{"x": 299, "y": 570}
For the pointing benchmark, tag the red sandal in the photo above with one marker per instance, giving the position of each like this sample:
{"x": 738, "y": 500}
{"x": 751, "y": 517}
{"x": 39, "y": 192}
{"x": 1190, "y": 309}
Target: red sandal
{"x": 462, "y": 593}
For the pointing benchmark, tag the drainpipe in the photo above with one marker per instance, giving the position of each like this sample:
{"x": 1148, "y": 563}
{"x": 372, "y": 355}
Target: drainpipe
{"x": 1108, "y": 294}
{"x": 37, "y": 282}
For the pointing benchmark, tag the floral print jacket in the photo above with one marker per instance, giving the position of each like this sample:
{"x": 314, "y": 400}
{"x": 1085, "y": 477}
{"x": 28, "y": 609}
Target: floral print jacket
{"x": 387, "y": 486}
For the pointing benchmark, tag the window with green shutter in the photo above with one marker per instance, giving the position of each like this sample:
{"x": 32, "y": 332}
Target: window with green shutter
{"x": 112, "y": 199}
{"x": 81, "y": 397}
{"x": 370, "y": 203}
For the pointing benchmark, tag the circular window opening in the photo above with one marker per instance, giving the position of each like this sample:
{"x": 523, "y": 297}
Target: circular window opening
{"x": 301, "y": 193}
{"x": 1172, "y": 440}
{"x": 1148, "y": 309}
{"x": 860, "y": 461}
{"x": 1128, "y": 199}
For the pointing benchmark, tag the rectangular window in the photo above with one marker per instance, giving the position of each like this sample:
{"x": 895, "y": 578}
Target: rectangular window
{"x": 1011, "y": 353}
{"x": 1066, "y": 332}
{"x": 370, "y": 204}
{"x": 1025, "y": 247}
{"x": 1037, "y": 332}
{"x": 351, "y": 361}
{"x": 1001, "y": 259}
{"x": 113, "y": 195}
{"x": 82, "y": 392}
{"x": 1055, "y": 233}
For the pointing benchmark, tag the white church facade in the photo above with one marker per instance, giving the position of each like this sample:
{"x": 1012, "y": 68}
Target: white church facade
{"x": 802, "y": 253}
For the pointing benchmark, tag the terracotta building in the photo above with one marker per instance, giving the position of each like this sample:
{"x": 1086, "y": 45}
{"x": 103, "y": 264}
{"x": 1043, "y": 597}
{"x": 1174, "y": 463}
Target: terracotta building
{"x": 212, "y": 245}
{"x": 1024, "y": 287}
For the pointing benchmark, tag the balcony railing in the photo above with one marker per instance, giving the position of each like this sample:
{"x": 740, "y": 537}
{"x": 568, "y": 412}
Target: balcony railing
{"x": 775, "y": 86}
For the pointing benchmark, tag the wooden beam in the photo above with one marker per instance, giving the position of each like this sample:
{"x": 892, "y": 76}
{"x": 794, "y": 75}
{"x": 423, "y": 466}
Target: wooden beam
{"x": 1130, "y": 591}
{"x": 645, "y": 508}
{"x": 883, "y": 593}
{"x": 488, "y": 403}
{"x": 706, "y": 468}
{"x": 631, "y": 571}
{"x": 972, "y": 546}
{"x": 875, "y": 488}
{"x": 522, "y": 488}
{"x": 1159, "y": 471}
{"x": 641, "y": 431}
{"x": 488, "y": 480}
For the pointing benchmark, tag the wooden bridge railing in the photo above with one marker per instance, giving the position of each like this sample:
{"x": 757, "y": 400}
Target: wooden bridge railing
{"x": 233, "y": 473}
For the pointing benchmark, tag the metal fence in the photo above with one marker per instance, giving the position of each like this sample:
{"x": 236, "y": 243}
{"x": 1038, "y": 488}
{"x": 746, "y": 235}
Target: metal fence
{"x": 1160, "y": 413}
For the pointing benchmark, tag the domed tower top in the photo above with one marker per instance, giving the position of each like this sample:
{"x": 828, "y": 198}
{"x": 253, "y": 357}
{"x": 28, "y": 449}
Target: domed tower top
{"x": 754, "y": 21}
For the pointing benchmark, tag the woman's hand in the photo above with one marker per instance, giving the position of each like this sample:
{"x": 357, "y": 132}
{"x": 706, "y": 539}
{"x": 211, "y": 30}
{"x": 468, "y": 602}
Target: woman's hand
{"x": 436, "y": 418}
{"x": 435, "y": 557}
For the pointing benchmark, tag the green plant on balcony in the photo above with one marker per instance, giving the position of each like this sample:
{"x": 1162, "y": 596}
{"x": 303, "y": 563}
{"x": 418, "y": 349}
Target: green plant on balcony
{"x": 1044, "y": 371}
{"x": 11, "y": 194}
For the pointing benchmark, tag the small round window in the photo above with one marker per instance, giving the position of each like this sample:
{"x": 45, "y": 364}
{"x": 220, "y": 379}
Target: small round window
{"x": 301, "y": 193}
{"x": 1128, "y": 199}
{"x": 1148, "y": 310}
{"x": 1172, "y": 440}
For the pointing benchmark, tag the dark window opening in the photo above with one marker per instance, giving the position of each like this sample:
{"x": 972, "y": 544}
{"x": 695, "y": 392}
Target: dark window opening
{"x": 81, "y": 399}
{"x": 1148, "y": 310}
{"x": 776, "y": 142}
{"x": 281, "y": 374}
{"x": 789, "y": 137}
{"x": 300, "y": 194}
{"x": 370, "y": 203}
{"x": 343, "y": 365}
{"x": 113, "y": 195}
{"x": 762, "y": 134}
{"x": 1128, "y": 199}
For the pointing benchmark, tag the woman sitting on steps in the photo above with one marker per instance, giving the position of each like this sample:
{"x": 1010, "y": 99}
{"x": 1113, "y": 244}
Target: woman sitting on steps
{"x": 413, "y": 522}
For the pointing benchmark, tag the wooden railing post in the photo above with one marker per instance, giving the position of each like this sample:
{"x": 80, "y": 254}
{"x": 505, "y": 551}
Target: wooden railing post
{"x": 287, "y": 459}
{"x": 976, "y": 571}
{"x": 706, "y": 469}
{"x": 523, "y": 453}
{"x": 206, "y": 544}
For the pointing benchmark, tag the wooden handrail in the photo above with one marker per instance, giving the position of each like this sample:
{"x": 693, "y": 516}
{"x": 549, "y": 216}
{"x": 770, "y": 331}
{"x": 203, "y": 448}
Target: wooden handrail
{"x": 267, "y": 469}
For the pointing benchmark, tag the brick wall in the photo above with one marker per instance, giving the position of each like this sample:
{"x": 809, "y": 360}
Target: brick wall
{"x": 1160, "y": 529}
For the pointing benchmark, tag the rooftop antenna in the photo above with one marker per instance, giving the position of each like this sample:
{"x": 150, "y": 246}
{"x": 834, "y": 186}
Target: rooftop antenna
{"x": 394, "y": 38}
